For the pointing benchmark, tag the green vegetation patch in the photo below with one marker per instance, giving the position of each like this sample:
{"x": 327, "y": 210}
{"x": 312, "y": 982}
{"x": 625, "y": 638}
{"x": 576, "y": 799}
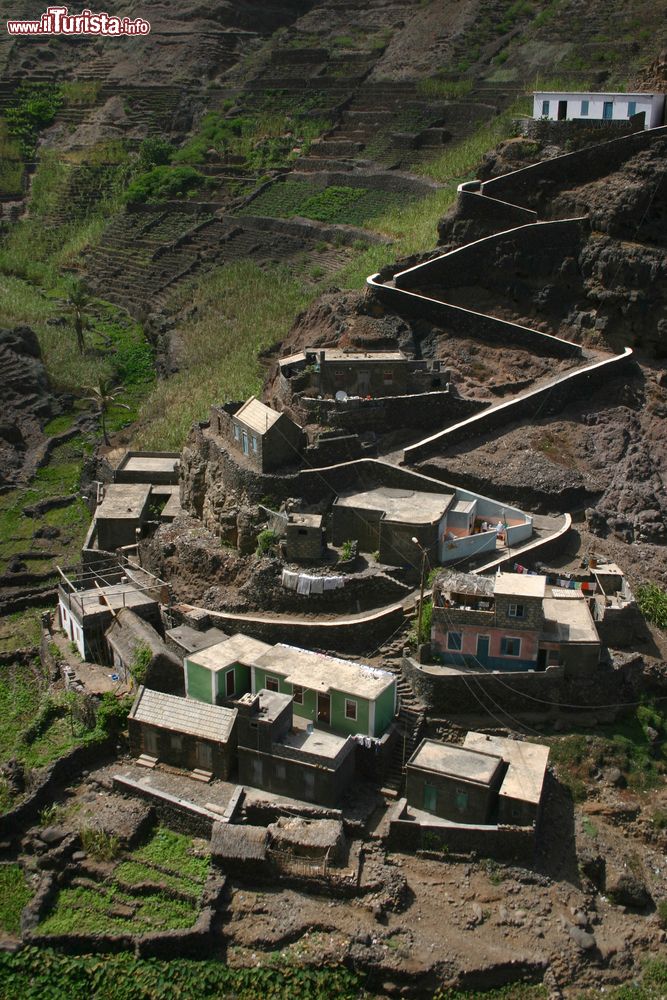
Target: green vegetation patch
{"x": 173, "y": 851}
{"x": 652, "y": 601}
{"x": 165, "y": 183}
{"x": 33, "y": 974}
{"x": 14, "y": 895}
{"x": 115, "y": 907}
{"x": 335, "y": 204}
{"x": 626, "y": 744}
{"x": 237, "y": 312}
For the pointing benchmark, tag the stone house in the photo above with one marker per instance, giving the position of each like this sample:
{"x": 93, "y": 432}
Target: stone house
{"x": 453, "y": 782}
{"x": 121, "y": 514}
{"x": 590, "y": 106}
{"x": 267, "y": 438}
{"x": 183, "y": 732}
{"x": 301, "y": 763}
{"x": 487, "y": 781}
{"x": 510, "y": 622}
{"x": 304, "y": 537}
{"x": 328, "y": 370}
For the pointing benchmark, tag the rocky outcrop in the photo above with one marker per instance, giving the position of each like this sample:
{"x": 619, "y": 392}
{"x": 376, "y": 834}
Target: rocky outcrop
{"x": 26, "y": 399}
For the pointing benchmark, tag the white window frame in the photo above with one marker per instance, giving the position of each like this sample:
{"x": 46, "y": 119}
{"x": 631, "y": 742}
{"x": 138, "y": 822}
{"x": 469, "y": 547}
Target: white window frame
{"x": 350, "y": 704}
{"x": 516, "y": 611}
{"x": 297, "y": 694}
{"x": 253, "y": 441}
{"x": 272, "y": 679}
{"x": 237, "y": 432}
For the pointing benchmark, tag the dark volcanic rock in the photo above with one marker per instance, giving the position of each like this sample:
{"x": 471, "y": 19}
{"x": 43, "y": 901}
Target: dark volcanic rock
{"x": 25, "y": 399}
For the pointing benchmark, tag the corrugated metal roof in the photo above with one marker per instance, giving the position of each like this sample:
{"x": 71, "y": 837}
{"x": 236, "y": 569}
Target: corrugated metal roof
{"x": 183, "y": 715}
{"x": 257, "y": 415}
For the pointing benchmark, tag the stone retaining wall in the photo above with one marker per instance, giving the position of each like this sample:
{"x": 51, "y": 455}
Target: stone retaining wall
{"x": 526, "y": 186}
{"x": 510, "y": 843}
{"x": 547, "y": 694}
{"x": 545, "y": 400}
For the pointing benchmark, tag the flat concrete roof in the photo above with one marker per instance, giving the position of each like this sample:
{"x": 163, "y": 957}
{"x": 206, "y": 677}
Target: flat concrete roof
{"x": 123, "y": 500}
{"x": 527, "y": 764}
{"x": 318, "y": 743}
{"x": 119, "y": 595}
{"x": 520, "y": 585}
{"x": 237, "y": 649}
{"x": 457, "y": 762}
{"x": 183, "y": 715}
{"x": 337, "y": 354}
{"x": 150, "y": 463}
{"x": 271, "y": 703}
{"x": 306, "y": 520}
{"x": 598, "y": 93}
{"x": 191, "y": 639}
{"x": 318, "y": 672}
{"x": 569, "y": 620}
{"x": 257, "y": 415}
{"x": 400, "y": 505}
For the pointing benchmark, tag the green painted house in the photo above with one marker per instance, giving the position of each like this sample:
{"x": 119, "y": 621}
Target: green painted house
{"x": 222, "y": 671}
{"x": 350, "y": 698}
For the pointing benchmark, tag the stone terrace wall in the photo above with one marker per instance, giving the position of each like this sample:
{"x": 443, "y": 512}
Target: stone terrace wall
{"x": 526, "y": 186}
{"x": 536, "y": 246}
{"x": 546, "y": 399}
{"x": 528, "y": 695}
{"x": 503, "y": 843}
{"x": 466, "y": 323}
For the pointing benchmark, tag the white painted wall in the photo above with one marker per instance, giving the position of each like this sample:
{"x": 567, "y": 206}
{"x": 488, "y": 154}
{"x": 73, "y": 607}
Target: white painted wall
{"x": 652, "y": 104}
{"x": 72, "y": 628}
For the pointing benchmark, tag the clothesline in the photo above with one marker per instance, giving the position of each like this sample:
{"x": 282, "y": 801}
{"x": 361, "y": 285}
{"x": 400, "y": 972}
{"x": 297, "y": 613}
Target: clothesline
{"x": 565, "y": 582}
{"x": 307, "y": 583}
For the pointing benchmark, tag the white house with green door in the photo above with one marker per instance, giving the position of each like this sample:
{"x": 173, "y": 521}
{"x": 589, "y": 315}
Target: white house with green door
{"x": 351, "y": 698}
{"x": 222, "y": 671}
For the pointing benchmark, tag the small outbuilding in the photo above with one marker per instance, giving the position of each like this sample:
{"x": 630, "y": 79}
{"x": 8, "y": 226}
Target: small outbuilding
{"x": 520, "y": 795}
{"x": 121, "y": 514}
{"x": 183, "y": 732}
{"x": 269, "y": 439}
{"x": 304, "y": 537}
{"x": 240, "y": 849}
{"x": 132, "y": 639}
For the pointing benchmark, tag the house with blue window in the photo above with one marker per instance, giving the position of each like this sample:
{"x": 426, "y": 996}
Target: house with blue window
{"x": 512, "y": 622}
{"x": 269, "y": 439}
{"x": 589, "y": 106}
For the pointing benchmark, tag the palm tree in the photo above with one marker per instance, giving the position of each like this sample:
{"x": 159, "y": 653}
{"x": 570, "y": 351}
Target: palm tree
{"x": 78, "y": 300}
{"x": 105, "y": 395}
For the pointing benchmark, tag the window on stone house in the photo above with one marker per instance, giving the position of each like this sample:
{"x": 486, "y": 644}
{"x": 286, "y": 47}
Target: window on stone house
{"x": 254, "y": 443}
{"x": 339, "y": 375}
{"x": 516, "y": 611}
{"x": 510, "y": 646}
{"x": 237, "y": 433}
{"x": 388, "y": 378}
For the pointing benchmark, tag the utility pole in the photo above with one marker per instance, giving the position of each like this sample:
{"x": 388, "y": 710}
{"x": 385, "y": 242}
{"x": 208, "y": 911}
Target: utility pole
{"x": 421, "y": 592}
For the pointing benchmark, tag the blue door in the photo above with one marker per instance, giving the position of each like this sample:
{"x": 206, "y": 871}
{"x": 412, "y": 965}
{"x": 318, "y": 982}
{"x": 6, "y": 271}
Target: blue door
{"x": 430, "y": 798}
{"x": 608, "y": 110}
{"x": 483, "y": 649}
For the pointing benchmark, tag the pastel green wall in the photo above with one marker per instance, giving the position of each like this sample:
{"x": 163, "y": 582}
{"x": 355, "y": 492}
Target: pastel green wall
{"x": 199, "y": 682}
{"x": 241, "y": 680}
{"x": 384, "y": 710}
{"x": 349, "y": 727}
{"x": 305, "y": 711}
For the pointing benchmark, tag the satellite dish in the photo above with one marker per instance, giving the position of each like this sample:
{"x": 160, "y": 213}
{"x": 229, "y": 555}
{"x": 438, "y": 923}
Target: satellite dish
{"x": 341, "y": 395}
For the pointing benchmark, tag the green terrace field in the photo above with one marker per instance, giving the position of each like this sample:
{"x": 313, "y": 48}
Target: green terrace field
{"x": 171, "y": 877}
{"x": 336, "y": 204}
